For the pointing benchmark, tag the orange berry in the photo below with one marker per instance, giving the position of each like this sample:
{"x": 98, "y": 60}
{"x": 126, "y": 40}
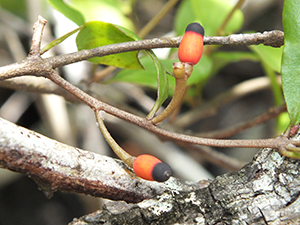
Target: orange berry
{"x": 151, "y": 168}
{"x": 191, "y": 46}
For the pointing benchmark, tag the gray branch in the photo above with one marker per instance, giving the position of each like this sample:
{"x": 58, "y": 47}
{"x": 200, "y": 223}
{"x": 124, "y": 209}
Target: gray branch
{"x": 266, "y": 191}
{"x": 40, "y": 67}
{"x": 269, "y": 38}
{"x": 56, "y": 166}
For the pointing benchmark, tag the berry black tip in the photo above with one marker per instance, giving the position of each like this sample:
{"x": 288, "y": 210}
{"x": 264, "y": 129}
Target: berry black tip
{"x": 161, "y": 172}
{"x": 196, "y": 27}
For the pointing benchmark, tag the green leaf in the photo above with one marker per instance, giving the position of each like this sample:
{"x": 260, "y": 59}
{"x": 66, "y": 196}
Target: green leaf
{"x": 291, "y": 58}
{"x": 161, "y": 72}
{"x": 209, "y": 13}
{"x": 154, "y": 76}
{"x": 221, "y": 59}
{"x": 147, "y": 77}
{"x": 270, "y": 58}
{"x": 97, "y": 33}
{"x": 270, "y": 55}
{"x": 112, "y": 11}
{"x": 163, "y": 84}
{"x": 59, "y": 40}
{"x": 17, "y": 7}
{"x": 283, "y": 120}
{"x": 68, "y": 11}
{"x": 129, "y": 33}
{"x": 201, "y": 71}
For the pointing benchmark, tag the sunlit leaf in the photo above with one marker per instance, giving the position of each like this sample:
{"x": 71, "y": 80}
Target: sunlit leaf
{"x": 68, "y": 11}
{"x": 98, "y": 33}
{"x": 283, "y": 121}
{"x": 209, "y": 13}
{"x": 291, "y": 58}
{"x": 111, "y": 11}
{"x": 271, "y": 56}
{"x": 270, "y": 59}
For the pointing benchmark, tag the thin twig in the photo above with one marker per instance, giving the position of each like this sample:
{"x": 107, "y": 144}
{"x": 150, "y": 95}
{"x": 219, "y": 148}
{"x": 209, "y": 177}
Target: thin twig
{"x": 37, "y": 85}
{"x": 97, "y": 105}
{"x": 26, "y": 67}
{"x": 237, "y": 128}
{"x": 44, "y": 67}
{"x": 211, "y": 155}
{"x": 271, "y": 38}
{"x": 120, "y": 152}
{"x": 38, "y": 29}
{"x": 158, "y": 17}
{"x": 210, "y": 108}
{"x": 238, "y": 5}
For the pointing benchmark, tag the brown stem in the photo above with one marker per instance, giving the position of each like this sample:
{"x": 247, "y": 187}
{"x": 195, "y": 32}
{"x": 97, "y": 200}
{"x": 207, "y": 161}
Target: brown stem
{"x": 213, "y": 156}
{"x": 228, "y": 17}
{"x": 210, "y": 108}
{"x": 182, "y": 72}
{"x": 271, "y": 38}
{"x": 37, "y": 36}
{"x": 146, "y": 124}
{"x": 229, "y": 131}
{"x": 158, "y": 17}
{"x": 120, "y": 152}
{"x": 44, "y": 67}
{"x": 177, "y": 97}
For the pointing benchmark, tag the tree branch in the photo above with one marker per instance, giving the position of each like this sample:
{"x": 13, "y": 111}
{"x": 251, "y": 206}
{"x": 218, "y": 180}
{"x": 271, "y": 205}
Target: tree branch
{"x": 97, "y": 105}
{"x": 45, "y": 67}
{"x": 272, "y": 38}
{"x": 36, "y": 85}
{"x": 37, "y": 37}
{"x": 56, "y": 166}
{"x": 236, "y": 92}
{"x": 265, "y": 191}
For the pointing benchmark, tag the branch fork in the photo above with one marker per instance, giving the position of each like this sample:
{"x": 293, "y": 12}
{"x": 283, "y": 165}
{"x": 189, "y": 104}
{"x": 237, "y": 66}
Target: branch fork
{"x": 181, "y": 71}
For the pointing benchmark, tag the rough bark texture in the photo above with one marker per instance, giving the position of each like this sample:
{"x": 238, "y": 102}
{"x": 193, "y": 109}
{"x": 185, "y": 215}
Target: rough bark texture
{"x": 55, "y": 166}
{"x": 265, "y": 191}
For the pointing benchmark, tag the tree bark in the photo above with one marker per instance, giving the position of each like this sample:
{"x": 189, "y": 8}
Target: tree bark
{"x": 59, "y": 167}
{"x": 265, "y": 191}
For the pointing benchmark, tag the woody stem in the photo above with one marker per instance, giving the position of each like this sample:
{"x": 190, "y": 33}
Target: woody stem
{"x": 175, "y": 102}
{"x": 120, "y": 152}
